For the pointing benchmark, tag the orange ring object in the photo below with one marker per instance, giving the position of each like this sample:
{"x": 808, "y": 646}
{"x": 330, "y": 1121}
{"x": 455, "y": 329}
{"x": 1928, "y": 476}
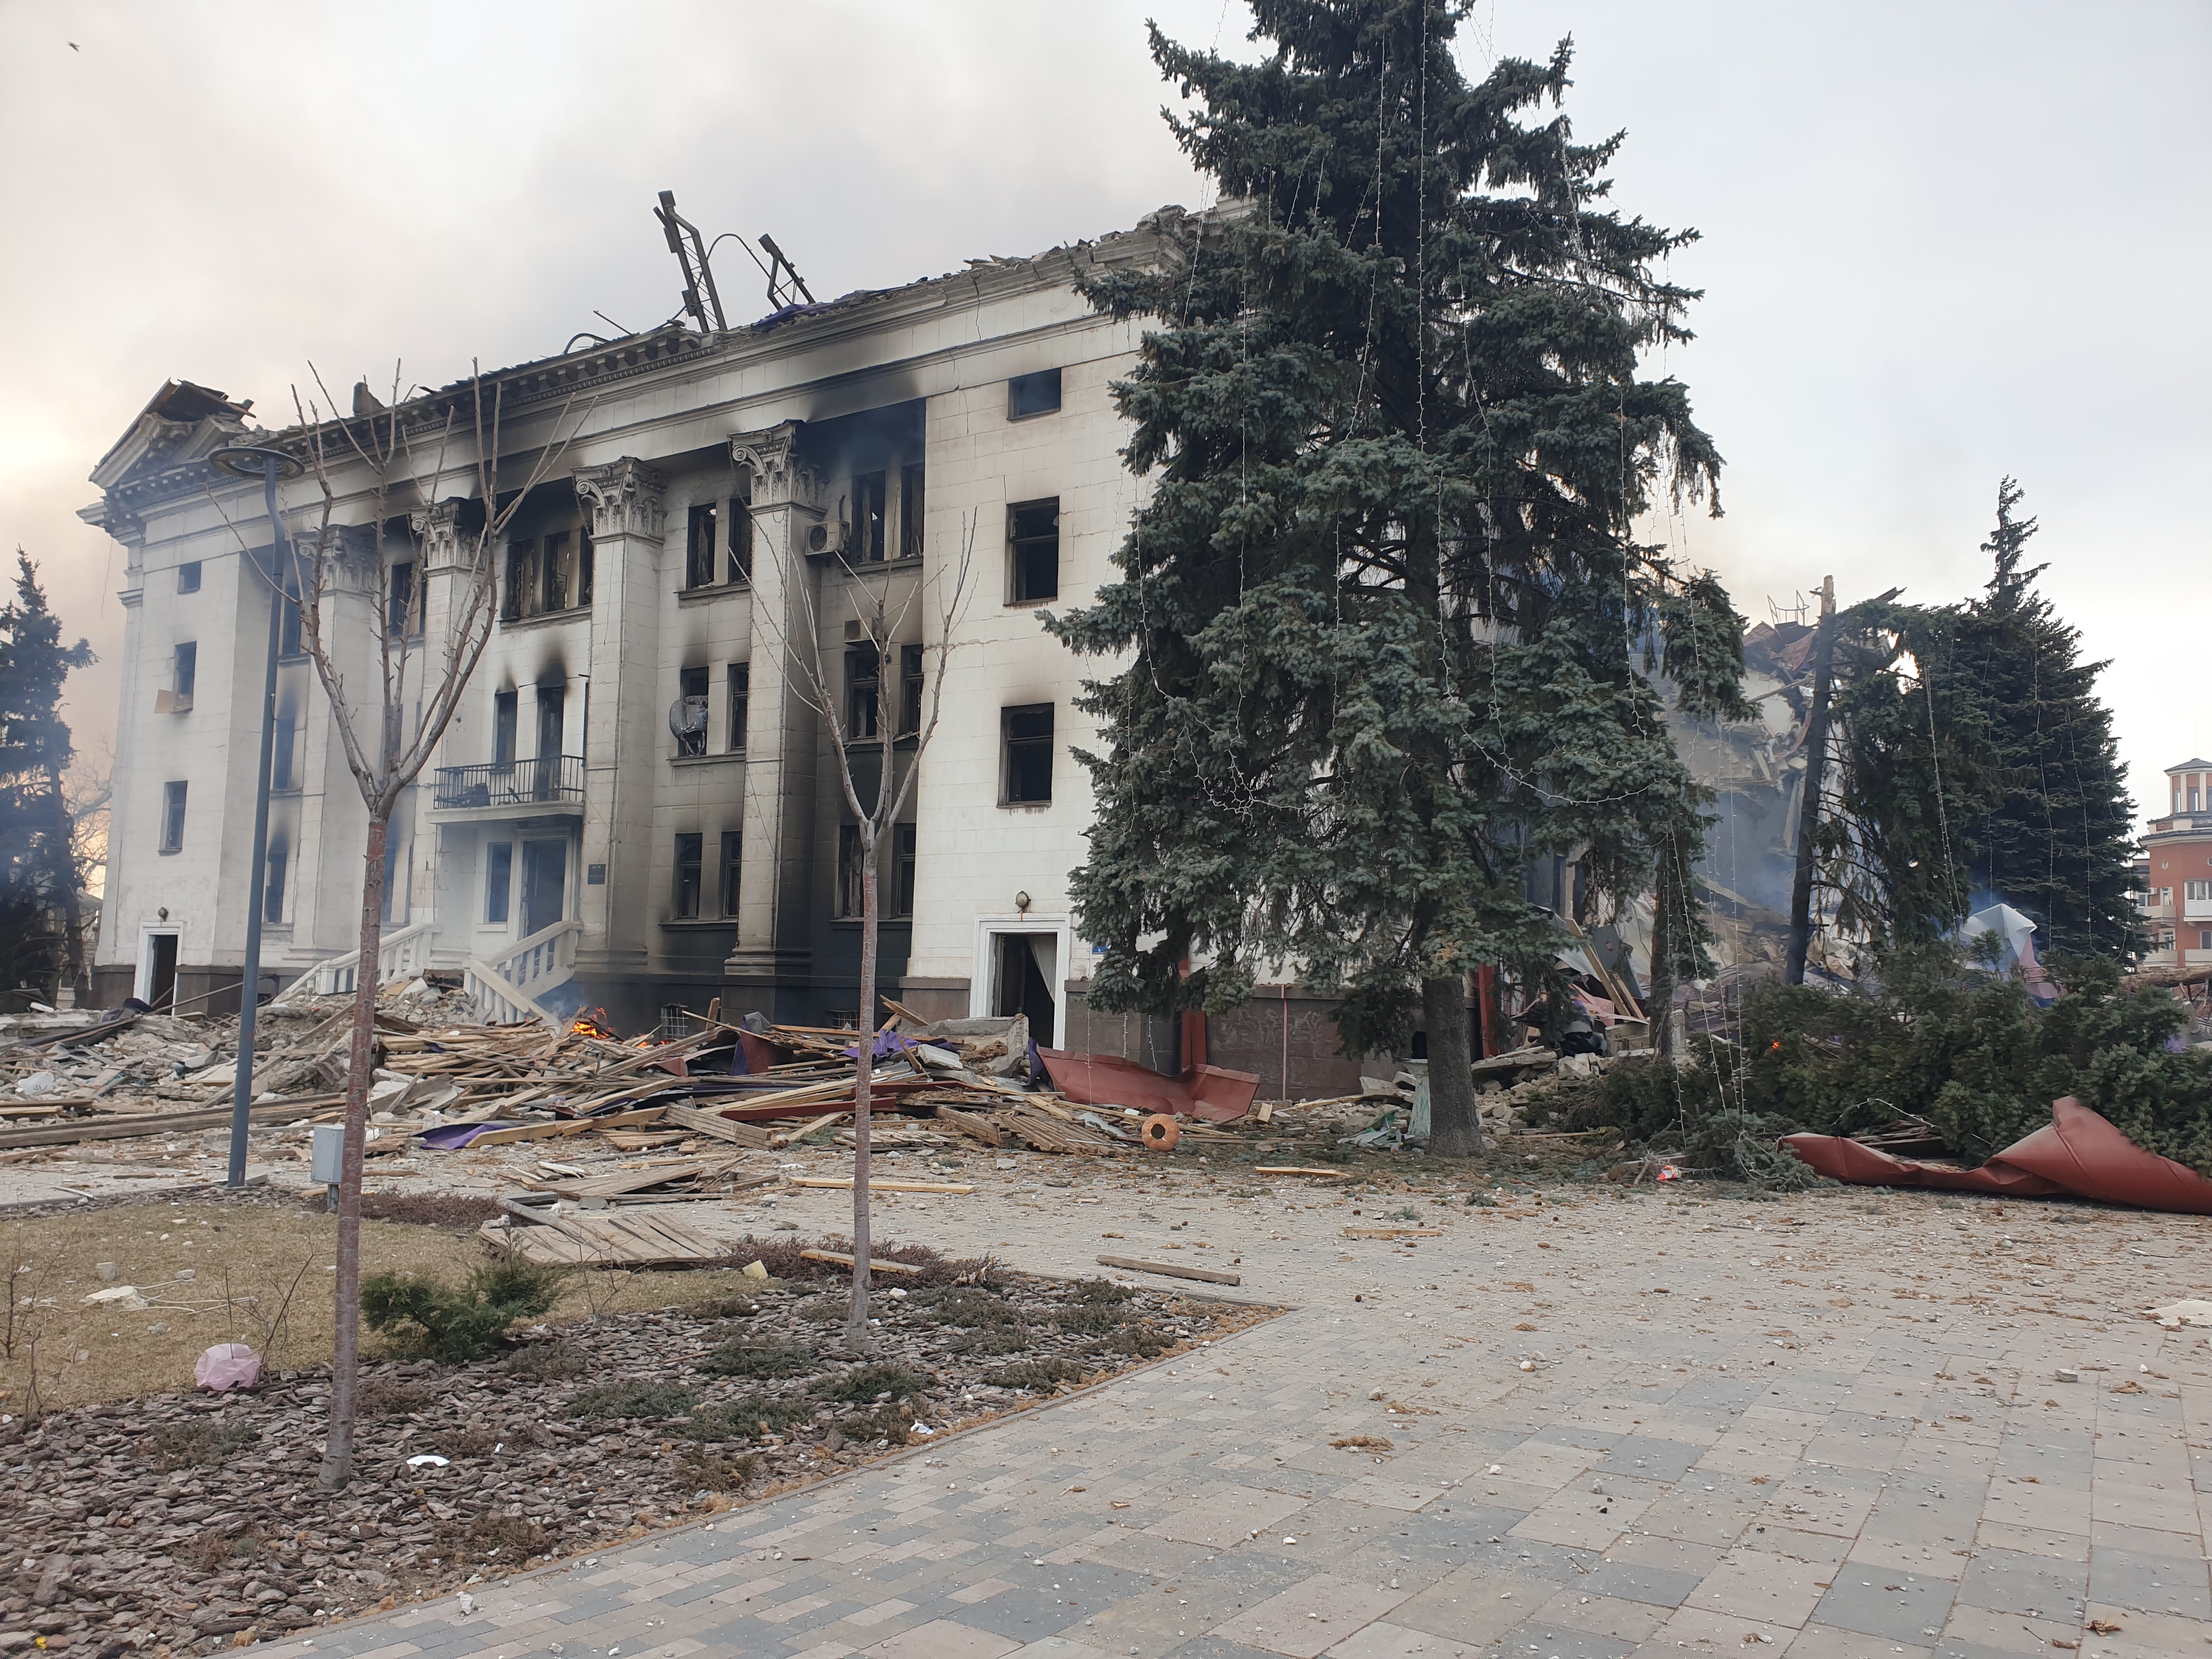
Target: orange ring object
{"x": 1160, "y": 1132}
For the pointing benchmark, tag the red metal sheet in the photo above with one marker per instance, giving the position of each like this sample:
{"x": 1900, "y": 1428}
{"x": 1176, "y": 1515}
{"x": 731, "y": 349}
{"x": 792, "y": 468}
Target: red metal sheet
{"x": 1212, "y": 1094}
{"x": 2078, "y": 1153}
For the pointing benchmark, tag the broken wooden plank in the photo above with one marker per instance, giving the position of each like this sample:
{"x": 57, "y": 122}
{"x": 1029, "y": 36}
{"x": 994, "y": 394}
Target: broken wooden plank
{"x": 1393, "y": 1232}
{"x": 1299, "y": 1169}
{"x": 714, "y": 1124}
{"x": 806, "y": 1129}
{"x": 846, "y": 1182}
{"x": 572, "y": 1125}
{"x": 876, "y": 1263}
{"x": 130, "y": 1124}
{"x": 1138, "y": 1265}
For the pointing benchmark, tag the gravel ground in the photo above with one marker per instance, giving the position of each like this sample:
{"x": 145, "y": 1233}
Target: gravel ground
{"x": 195, "y": 1521}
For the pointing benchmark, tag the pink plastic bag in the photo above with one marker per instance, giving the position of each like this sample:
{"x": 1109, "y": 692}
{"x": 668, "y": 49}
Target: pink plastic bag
{"x": 227, "y": 1365}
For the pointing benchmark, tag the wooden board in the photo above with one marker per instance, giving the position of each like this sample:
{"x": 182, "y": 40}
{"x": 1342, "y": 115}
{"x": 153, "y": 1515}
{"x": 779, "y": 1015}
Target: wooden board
{"x": 1296, "y": 1169}
{"x": 1138, "y": 1265}
{"x": 132, "y": 1124}
{"x": 714, "y": 1124}
{"x": 574, "y": 1126}
{"x": 1393, "y": 1232}
{"x": 876, "y": 1264}
{"x": 626, "y": 1241}
{"x": 846, "y": 1182}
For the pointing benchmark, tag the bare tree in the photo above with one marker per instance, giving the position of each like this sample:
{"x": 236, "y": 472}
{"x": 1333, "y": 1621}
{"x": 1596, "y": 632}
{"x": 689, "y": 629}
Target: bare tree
{"x": 883, "y": 619}
{"x": 389, "y": 736}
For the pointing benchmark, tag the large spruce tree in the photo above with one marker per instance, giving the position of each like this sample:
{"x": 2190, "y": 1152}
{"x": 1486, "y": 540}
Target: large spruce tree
{"x": 2058, "y": 843}
{"x": 1387, "y": 637}
{"x": 40, "y": 932}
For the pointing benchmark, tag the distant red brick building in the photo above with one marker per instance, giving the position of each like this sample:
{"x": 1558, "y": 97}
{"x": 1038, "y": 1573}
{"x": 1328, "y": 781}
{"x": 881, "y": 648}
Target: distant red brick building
{"x": 2176, "y": 867}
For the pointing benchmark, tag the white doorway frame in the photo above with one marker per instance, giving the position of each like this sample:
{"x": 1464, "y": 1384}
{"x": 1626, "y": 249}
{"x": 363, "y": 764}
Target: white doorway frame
{"x": 142, "y": 983}
{"x": 980, "y": 985}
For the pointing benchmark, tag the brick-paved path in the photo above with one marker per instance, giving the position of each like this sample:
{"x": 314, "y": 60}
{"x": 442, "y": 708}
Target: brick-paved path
{"x": 1830, "y": 1426}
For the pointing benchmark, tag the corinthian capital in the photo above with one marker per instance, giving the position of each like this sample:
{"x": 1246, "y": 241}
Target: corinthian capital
{"x": 623, "y": 498}
{"x": 438, "y": 528}
{"x": 781, "y": 476}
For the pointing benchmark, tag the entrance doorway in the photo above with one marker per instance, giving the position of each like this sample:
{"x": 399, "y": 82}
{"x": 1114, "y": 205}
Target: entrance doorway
{"x": 544, "y": 883}
{"x": 1026, "y": 970}
{"x": 160, "y": 970}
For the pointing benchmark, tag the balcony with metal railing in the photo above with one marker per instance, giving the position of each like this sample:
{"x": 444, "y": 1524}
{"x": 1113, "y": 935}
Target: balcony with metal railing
{"x": 551, "y": 786}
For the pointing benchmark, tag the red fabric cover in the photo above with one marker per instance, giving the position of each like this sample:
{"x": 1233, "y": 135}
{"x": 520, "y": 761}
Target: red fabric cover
{"x": 2079, "y": 1152}
{"x": 1212, "y": 1093}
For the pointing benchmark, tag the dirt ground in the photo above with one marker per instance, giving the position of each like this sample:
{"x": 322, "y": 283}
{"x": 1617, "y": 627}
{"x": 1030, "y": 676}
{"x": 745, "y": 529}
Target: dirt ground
{"x": 244, "y": 1259}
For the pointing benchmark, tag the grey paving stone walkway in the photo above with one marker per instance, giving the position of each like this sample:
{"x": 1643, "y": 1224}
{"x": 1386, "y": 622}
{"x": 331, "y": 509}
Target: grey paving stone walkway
{"x": 1615, "y": 1425}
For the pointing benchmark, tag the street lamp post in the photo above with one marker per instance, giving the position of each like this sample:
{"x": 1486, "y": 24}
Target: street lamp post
{"x": 254, "y": 461}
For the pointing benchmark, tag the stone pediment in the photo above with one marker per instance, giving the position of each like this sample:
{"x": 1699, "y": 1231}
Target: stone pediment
{"x": 182, "y": 424}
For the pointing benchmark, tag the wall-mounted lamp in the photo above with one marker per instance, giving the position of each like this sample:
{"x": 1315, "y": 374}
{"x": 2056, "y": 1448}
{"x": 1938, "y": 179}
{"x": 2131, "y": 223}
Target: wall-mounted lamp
{"x": 163, "y": 912}
{"x": 1022, "y": 904}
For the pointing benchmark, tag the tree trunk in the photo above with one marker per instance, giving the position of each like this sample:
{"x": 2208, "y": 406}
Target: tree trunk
{"x": 1659, "y": 986}
{"x": 856, "y": 1324}
{"x": 1454, "y": 1122}
{"x": 345, "y": 1358}
{"x": 1816, "y": 766}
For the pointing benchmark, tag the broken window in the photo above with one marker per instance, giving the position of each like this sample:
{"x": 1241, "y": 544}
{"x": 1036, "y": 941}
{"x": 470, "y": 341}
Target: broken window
{"x": 505, "y": 717}
{"x": 910, "y": 510}
{"x": 1033, "y": 531}
{"x": 173, "y": 817}
{"x": 901, "y": 869}
{"x": 280, "y": 753}
{"x": 188, "y": 577}
{"x": 691, "y": 711}
{"x": 863, "y": 682}
{"x": 584, "y": 566}
{"x": 741, "y": 531}
{"x": 740, "y": 704}
{"x": 403, "y": 612}
{"x": 186, "y": 673}
{"x": 699, "y": 548}
{"x": 733, "y": 864}
{"x": 1033, "y": 394}
{"x": 553, "y": 572}
{"x": 850, "y": 871}
{"x": 522, "y": 566}
{"x": 868, "y": 517}
{"x": 499, "y": 879}
{"x": 289, "y": 637}
{"x": 689, "y": 850}
{"x": 273, "y": 887}
{"x": 909, "y": 690}
{"x": 1029, "y": 754}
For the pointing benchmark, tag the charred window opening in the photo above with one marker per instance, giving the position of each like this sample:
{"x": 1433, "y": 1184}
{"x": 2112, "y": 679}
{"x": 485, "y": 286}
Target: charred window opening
{"x": 691, "y": 711}
{"x": 521, "y": 558}
{"x": 740, "y": 704}
{"x": 505, "y": 717}
{"x": 546, "y": 574}
{"x": 289, "y": 642}
{"x": 583, "y": 566}
{"x": 272, "y": 885}
{"x": 734, "y": 867}
{"x": 863, "y": 687}
{"x": 1033, "y": 535}
{"x": 909, "y": 724}
{"x": 1033, "y": 394}
{"x": 901, "y": 870}
{"x": 553, "y": 559}
{"x": 850, "y": 863}
{"x": 741, "y": 531}
{"x": 688, "y": 851}
{"x": 868, "y": 517}
{"x": 403, "y": 611}
{"x": 173, "y": 817}
{"x": 184, "y": 675}
{"x": 910, "y": 510}
{"x": 1028, "y": 765}
{"x": 282, "y": 772}
{"x": 699, "y": 546}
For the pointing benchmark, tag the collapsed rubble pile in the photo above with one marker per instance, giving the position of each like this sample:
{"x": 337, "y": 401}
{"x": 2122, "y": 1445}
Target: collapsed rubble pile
{"x": 178, "y": 1518}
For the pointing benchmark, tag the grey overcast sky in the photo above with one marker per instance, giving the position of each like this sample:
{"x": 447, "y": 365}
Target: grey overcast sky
{"x": 1944, "y": 241}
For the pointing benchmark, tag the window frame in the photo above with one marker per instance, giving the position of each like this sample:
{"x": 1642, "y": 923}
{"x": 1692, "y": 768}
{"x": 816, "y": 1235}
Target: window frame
{"x": 691, "y": 684}
{"x": 188, "y": 576}
{"x": 506, "y": 725}
{"x": 498, "y": 899}
{"x": 701, "y": 545}
{"x": 738, "y": 544}
{"x": 740, "y": 698}
{"x": 846, "y": 902}
{"x": 275, "y": 868}
{"x": 283, "y": 772}
{"x": 913, "y": 508}
{"x": 856, "y": 728}
{"x": 184, "y": 671}
{"x": 1021, "y": 550}
{"x": 871, "y": 503}
{"x": 690, "y": 874}
{"x": 1037, "y": 383}
{"x": 733, "y": 868}
{"x": 175, "y": 797}
{"x": 903, "y": 873}
{"x": 910, "y": 688}
{"x": 1010, "y": 763}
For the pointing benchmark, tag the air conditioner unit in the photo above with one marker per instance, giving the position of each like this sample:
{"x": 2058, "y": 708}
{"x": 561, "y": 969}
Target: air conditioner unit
{"x": 687, "y": 717}
{"x": 825, "y": 538}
